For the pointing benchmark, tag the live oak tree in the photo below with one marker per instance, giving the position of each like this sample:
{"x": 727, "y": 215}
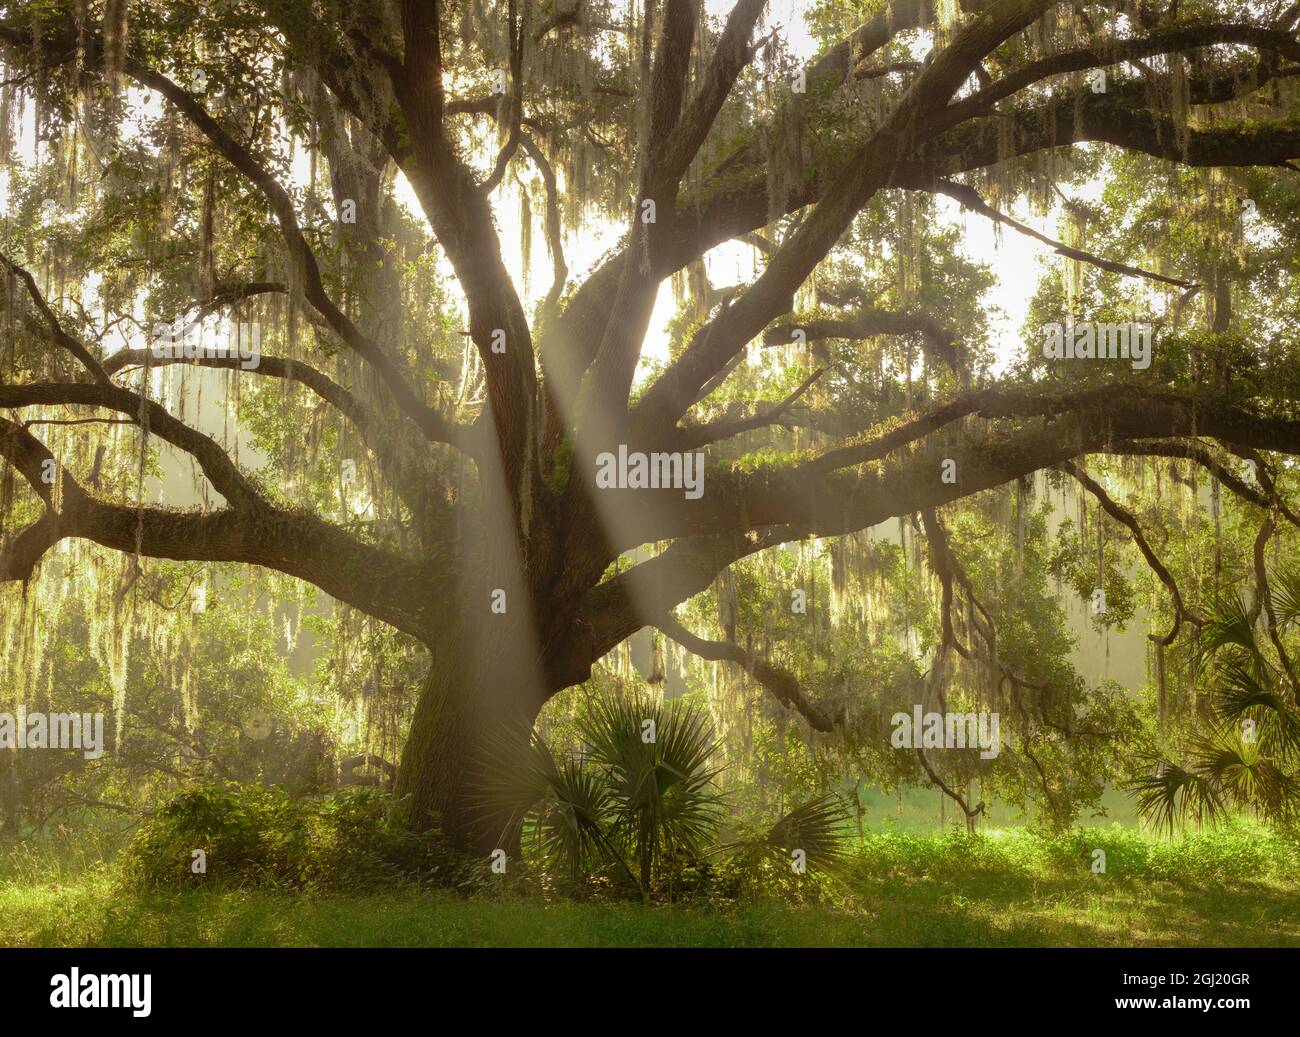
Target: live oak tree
{"x": 490, "y": 540}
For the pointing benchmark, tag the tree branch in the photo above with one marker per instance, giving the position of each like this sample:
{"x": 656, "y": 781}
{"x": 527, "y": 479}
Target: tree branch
{"x": 388, "y": 586}
{"x": 940, "y": 341}
{"x": 780, "y": 682}
{"x": 53, "y": 327}
{"x": 970, "y": 199}
{"x": 1127, "y": 519}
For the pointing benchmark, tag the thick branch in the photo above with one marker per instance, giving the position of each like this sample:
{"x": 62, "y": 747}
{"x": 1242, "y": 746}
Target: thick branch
{"x": 52, "y": 325}
{"x": 733, "y": 53}
{"x": 691, "y": 437}
{"x": 228, "y": 480}
{"x": 428, "y": 420}
{"x": 392, "y": 588}
{"x": 1162, "y": 41}
{"x": 869, "y": 170}
{"x": 939, "y": 340}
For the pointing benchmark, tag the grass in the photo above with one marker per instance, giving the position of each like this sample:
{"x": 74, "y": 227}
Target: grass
{"x": 1234, "y": 887}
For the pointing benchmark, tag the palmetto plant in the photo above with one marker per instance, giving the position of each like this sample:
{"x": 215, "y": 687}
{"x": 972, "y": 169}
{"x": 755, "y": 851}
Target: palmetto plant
{"x": 664, "y": 802}
{"x": 1251, "y": 755}
{"x": 642, "y": 794}
{"x": 815, "y": 828}
{"x": 560, "y": 806}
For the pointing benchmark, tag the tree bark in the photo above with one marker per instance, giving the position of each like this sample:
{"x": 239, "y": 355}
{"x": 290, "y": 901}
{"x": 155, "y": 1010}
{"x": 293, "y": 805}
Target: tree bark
{"x": 476, "y": 689}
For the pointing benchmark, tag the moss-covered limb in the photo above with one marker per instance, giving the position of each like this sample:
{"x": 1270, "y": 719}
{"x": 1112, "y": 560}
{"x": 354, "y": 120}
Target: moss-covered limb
{"x": 553, "y": 225}
{"x": 307, "y": 268}
{"x": 1267, "y": 479}
{"x": 1167, "y": 40}
{"x": 897, "y": 471}
{"x": 406, "y": 465}
{"x": 1194, "y": 450}
{"x": 1121, "y": 119}
{"x": 938, "y": 341}
{"x": 401, "y": 591}
{"x": 401, "y": 99}
{"x": 942, "y": 560}
{"x": 691, "y": 437}
{"x": 65, "y": 43}
{"x": 637, "y": 597}
{"x": 221, "y": 471}
{"x": 733, "y": 200}
{"x": 50, "y": 323}
{"x": 970, "y": 198}
{"x": 1126, "y": 518}
{"x": 869, "y": 170}
{"x": 732, "y": 53}
{"x": 460, "y": 213}
{"x": 783, "y": 685}
{"x": 672, "y": 137}
{"x": 21, "y": 553}
{"x": 785, "y": 505}
{"x": 951, "y": 572}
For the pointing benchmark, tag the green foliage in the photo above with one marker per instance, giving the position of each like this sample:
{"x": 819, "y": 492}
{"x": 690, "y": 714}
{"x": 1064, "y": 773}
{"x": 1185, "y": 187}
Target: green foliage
{"x": 642, "y": 797}
{"x": 1233, "y": 885}
{"x": 159, "y": 220}
{"x": 1249, "y": 757}
{"x": 632, "y": 807}
{"x": 766, "y": 861}
{"x": 563, "y": 804}
{"x": 254, "y": 836}
{"x": 1230, "y": 854}
{"x": 664, "y": 804}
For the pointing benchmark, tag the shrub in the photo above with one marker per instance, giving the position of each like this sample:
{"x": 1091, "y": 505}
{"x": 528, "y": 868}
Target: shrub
{"x": 254, "y": 835}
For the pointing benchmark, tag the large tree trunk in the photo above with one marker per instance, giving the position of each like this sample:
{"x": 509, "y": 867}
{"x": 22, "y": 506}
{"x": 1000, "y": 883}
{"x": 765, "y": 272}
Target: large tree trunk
{"x": 476, "y": 688}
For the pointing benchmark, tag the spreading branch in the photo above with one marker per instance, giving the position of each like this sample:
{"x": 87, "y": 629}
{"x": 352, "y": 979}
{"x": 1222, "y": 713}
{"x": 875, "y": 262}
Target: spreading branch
{"x": 779, "y": 681}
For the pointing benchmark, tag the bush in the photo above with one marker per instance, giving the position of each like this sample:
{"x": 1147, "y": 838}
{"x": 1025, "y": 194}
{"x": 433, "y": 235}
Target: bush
{"x": 1237, "y": 854}
{"x": 254, "y": 835}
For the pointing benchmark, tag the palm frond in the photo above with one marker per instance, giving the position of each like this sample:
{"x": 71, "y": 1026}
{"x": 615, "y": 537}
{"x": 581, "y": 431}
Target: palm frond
{"x": 1241, "y": 695}
{"x": 1285, "y": 586}
{"x": 1244, "y": 775}
{"x": 519, "y": 773}
{"x": 662, "y": 794}
{"x": 1228, "y": 627}
{"x": 569, "y": 824}
{"x": 1168, "y": 795}
{"x": 817, "y": 828}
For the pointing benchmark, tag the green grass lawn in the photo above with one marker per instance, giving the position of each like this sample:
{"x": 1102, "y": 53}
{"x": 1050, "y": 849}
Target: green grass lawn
{"x": 927, "y": 914}
{"x": 1219, "y": 889}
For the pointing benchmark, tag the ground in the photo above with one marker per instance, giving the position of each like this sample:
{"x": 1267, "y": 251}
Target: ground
{"x": 1232, "y": 888}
